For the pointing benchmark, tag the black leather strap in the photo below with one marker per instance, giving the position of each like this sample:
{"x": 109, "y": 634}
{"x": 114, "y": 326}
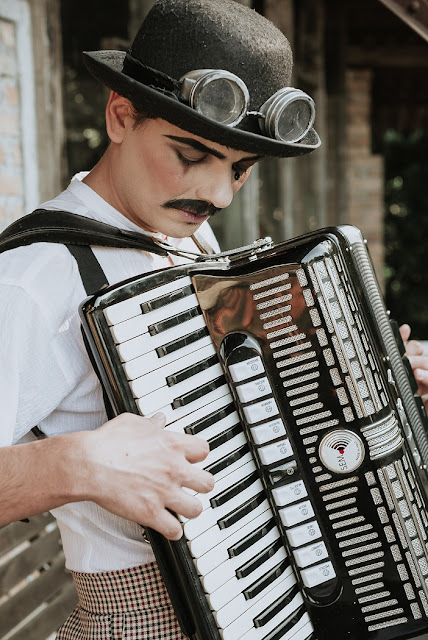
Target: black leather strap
{"x": 69, "y": 228}
{"x": 93, "y": 277}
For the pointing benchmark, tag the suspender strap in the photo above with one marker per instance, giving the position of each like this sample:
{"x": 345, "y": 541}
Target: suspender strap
{"x": 93, "y": 277}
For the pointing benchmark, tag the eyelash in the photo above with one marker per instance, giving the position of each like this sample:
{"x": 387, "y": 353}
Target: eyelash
{"x": 238, "y": 172}
{"x": 188, "y": 162}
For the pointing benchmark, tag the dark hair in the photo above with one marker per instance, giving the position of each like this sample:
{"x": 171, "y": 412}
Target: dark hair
{"x": 141, "y": 114}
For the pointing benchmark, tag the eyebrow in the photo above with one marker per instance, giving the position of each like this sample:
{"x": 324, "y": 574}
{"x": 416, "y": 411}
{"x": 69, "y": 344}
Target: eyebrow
{"x": 191, "y": 142}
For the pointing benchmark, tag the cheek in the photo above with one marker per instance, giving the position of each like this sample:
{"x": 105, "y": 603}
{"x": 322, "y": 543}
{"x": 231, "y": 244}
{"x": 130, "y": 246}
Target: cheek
{"x": 162, "y": 175}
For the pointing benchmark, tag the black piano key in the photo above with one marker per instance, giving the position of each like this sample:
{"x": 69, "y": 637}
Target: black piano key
{"x": 263, "y": 582}
{"x": 287, "y": 624}
{"x": 208, "y": 421}
{"x": 190, "y": 338}
{"x": 242, "y": 511}
{"x": 271, "y": 611}
{"x": 175, "y": 378}
{"x": 174, "y": 321}
{"x": 224, "y": 436}
{"x": 231, "y": 492}
{"x": 200, "y": 392}
{"x": 169, "y": 298}
{"x": 233, "y": 457}
{"x": 258, "y": 559}
{"x": 251, "y": 539}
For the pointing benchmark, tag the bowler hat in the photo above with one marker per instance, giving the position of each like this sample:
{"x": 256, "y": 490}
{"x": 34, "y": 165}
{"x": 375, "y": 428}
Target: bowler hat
{"x": 179, "y": 36}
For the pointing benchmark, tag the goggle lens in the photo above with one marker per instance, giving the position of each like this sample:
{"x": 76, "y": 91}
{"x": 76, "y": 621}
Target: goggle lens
{"x": 294, "y": 121}
{"x": 221, "y": 100}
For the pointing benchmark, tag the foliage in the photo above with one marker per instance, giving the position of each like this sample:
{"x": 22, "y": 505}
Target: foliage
{"x": 406, "y": 228}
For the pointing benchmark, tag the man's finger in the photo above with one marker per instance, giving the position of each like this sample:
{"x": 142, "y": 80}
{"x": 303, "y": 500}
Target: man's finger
{"x": 405, "y": 332}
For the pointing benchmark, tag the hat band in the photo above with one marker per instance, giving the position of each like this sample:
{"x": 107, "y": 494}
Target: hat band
{"x": 157, "y": 80}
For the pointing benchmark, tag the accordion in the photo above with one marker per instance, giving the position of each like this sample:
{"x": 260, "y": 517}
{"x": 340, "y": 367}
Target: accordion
{"x": 285, "y": 360}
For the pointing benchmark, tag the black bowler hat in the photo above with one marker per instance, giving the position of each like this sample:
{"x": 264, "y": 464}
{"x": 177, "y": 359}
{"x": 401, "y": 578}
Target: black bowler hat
{"x": 179, "y": 36}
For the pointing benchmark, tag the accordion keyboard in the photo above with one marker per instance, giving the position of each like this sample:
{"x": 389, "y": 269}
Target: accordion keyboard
{"x": 172, "y": 366}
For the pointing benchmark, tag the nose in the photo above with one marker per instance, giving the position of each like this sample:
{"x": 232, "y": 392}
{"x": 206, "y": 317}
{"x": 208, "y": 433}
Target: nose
{"x": 217, "y": 188}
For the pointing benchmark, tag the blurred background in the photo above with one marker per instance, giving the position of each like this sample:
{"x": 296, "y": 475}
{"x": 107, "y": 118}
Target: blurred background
{"x": 365, "y": 62}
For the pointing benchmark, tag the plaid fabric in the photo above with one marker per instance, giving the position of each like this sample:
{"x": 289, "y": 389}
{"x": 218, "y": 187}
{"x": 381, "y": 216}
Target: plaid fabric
{"x": 131, "y": 604}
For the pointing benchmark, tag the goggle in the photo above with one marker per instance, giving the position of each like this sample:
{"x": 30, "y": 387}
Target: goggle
{"x": 222, "y": 96}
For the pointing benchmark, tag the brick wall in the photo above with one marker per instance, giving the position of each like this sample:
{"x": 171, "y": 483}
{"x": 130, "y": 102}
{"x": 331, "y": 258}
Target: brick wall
{"x": 364, "y": 170}
{"x": 11, "y": 162}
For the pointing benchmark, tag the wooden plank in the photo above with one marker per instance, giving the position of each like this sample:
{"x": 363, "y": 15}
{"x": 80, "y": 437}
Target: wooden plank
{"x": 414, "y": 14}
{"x": 37, "y": 554}
{"x": 13, "y": 534}
{"x": 52, "y": 617}
{"x": 34, "y": 594}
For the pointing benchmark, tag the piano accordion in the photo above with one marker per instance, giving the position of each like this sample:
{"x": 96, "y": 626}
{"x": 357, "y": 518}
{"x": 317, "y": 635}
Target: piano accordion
{"x": 286, "y": 361}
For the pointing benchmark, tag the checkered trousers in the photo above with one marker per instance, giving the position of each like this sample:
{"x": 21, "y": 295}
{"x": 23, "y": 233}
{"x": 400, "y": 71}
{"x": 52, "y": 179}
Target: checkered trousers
{"x": 131, "y": 604}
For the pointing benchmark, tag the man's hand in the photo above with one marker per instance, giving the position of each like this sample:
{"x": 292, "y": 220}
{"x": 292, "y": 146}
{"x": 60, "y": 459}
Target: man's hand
{"x": 419, "y": 362}
{"x": 137, "y": 470}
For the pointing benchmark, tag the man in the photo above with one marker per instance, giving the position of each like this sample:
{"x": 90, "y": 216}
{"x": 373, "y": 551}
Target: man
{"x": 169, "y": 167}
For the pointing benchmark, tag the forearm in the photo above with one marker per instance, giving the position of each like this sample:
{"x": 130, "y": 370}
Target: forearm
{"x": 40, "y": 476}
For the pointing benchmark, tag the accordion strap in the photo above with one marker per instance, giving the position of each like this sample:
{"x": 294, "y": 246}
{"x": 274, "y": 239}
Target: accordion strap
{"x": 68, "y": 228}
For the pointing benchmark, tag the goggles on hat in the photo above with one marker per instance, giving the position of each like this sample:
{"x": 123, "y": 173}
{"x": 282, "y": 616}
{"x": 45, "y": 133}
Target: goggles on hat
{"x": 288, "y": 115}
{"x": 222, "y": 96}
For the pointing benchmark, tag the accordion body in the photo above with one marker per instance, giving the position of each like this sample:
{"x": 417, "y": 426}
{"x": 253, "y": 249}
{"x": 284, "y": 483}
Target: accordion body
{"x": 286, "y": 361}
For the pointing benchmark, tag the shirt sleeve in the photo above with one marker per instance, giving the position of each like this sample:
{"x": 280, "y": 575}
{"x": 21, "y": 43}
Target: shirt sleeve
{"x": 32, "y": 380}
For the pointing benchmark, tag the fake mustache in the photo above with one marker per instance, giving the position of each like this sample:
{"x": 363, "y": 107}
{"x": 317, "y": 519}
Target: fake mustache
{"x": 197, "y": 207}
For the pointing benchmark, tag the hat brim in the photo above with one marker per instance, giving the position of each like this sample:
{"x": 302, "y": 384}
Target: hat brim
{"x": 107, "y": 66}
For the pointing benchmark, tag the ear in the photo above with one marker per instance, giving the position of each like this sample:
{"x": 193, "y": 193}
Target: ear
{"x": 118, "y": 112}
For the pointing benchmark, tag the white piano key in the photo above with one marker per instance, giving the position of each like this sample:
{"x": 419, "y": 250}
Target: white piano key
{"x": 301, "y": 630}
{"x": 229, "y": 469}
{"x": 220, "y": 452}
{"x": 219, "y": 553}
{"x": 153, "y": 401}
{"x": 201, "y": 413}
{"x": 150, "y": 361}
{"x": 229, "y": 597}
{"x": 140, "y": 324}
{"x": 227, "y": 483}
{"x": 145, "y": 343}
{"x": 175, "y": 414}
{"x": 209, "y": 517}
{"x": 244, "y": 624}
{"x": 156, "y": 378}
{"x": 121, "y": 311}
{"x": 200, "y": 545}
{"x": 248, "y": 609}
{"x": 220, "y": 576}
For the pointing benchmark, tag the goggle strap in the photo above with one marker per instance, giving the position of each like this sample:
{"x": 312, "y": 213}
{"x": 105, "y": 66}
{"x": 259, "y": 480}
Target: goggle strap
{"x": 135, "y": 69}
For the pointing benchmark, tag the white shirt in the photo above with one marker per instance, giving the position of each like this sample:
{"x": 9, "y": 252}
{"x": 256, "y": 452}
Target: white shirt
{"x": 47, "y": 378}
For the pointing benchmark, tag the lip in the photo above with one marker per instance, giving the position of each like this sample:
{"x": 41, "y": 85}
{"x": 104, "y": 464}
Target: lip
{"x": 193, "y": 217}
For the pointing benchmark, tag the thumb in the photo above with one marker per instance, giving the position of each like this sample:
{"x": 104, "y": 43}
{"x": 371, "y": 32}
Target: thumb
{"x": 405, "y": 332}
{"x": 158, "y": 420}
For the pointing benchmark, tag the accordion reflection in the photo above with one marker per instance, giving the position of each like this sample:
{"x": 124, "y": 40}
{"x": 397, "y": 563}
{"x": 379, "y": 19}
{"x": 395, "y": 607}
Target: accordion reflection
{"x": 285, "y": 360}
